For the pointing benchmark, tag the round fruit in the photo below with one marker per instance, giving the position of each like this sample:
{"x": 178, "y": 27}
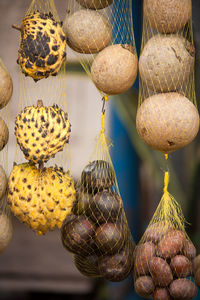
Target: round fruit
{"x": 167, "y": 16}
{"x": 98, "y": 175}
{"x": 4, "y": 134}
{"x": 82, "y": 203}
{"x": 40, "y": 198}
{"x": 109, "y": 238}
{"x": 95, "y": 4}
{"x": 181, "y": 266}
{"x": 114, "y": 69}
{"x": 189, "y": 250}
{"x": 166, "y": 62}
{"x": 183, "y": 289}
{"x": 88, "y": 266}
{"x": 42, "y": 131}
{"x": 105, "y": 206}
{"x": 6, "y": 86}
{"x": 42, "y": 47}
{"x": 197, "y": 277}
{"x": 167, "y": 122}
{"x": 144, "y": 286}
{"x": 143, "y": 255}
{"x": 117, "y": 267}
{"x": 3, "y": 182}
{"x": 160, "y": 271}
{"x": 196, "y": 264}
{"x": 156, "y": 231}
{"x": 77, "y": 235}
{"x": 87, "y": 31}
{"x": 6, "y": 231}
{"x": 161, "y": 294}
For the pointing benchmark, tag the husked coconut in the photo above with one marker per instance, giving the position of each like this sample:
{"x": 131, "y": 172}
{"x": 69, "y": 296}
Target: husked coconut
{"x": 167, "y": 16}
{"x": 6, "y": 231}
{"x": 166, "y": 62}
{"x": 6, "y": 86}
{"x": 4, "y": 134}
{"x": 114, "y": 69}
{"x": 95, "y": 4}
{"x": 87, "y": 31}
{"x": 167, "y": 122}
{"x": 3, "y": 182}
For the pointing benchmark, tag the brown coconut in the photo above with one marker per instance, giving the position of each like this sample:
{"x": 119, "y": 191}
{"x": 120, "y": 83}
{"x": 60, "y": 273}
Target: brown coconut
{"x": 6, "y": 231}
{"x": 167, "y": 122}
{"x": 4, "y": 134}
{"x": 87, "y": 31}
{"x": 3, "y": 182}
{"x": 114, "y": 69}
{"x": 95, "y": 4}
{"x": 6, "y": 86}
{"x": 167, "y": 16}
{"x": 166, "y": 62}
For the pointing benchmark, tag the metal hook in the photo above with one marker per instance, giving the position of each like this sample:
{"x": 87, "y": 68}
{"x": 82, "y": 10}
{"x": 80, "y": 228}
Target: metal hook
{"x": 103, "y": 106}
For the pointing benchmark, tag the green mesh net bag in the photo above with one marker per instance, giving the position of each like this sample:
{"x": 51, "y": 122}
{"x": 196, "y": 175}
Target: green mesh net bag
{"x": 97, "y": 233}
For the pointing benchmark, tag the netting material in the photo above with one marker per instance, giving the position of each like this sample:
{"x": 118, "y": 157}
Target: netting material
{"x": 164, "y": 255}
{"x": 109, "y": 33}
{"x": 42, "y": 131}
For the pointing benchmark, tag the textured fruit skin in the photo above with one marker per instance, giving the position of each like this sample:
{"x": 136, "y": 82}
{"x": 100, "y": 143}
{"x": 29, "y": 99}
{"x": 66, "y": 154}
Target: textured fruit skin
{"x": 189, "y": 250}
{"x": 181, "y": 266}
{"x": 6, "y": 231}
{"x": 182, "y": 289}
{"x": 41, "y": 132}
{"x": 3, "y": 182}
{"x": 6, "y": 86}
{"x": 42, "y": 47}
{"x": 88, "y": 266}
{"x": 167, "y": 122}
{"x": 160, "y": 271}
{"x": 166, "y": 62}
{"x": 87, "y": 31}
{"x": 143, "y": 254}
{"x": 95, "y": 4}
{"x": 114, "y": 69}
{"x": 167, "y": 16}
{"x": 4, "y": 134}
{"x": 144, "y": 286}
{"x": 161, "y": 294}
{"x": 156, "y": 231}
{"x": 41, "y": 199}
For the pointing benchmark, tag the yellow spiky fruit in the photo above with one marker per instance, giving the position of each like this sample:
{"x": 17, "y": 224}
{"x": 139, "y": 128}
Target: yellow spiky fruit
{"x": 40, "y": 198}
{"x": 42, "y": 131}
{"x": 43, "y": 46}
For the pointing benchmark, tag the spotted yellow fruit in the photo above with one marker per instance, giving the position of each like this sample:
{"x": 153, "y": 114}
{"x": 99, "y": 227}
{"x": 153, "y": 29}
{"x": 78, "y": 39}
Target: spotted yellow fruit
{"x": 40, "y": 198}
{"x": 42, "y": 131}
{"x": 42, "y": 47}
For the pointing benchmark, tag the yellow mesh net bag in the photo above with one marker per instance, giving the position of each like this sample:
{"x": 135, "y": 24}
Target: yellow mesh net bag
{"x": 39, "y": 194}
{"x": 6, "y": 89}
{"x": 163, "y": 258}
{"x": 101, "y": 33}
{"x": 97, "y": 233}
{"x": 167, "y": 118}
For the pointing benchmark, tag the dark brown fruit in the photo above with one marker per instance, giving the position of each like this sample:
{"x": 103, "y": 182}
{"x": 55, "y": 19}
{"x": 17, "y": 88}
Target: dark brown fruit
{"x": 117, "y": 267}
{"x": 144, "y": 286}
{"x": 143, "y": 254}
{"x": 77, "y": 235}
{"x": 161, "y": 294}
{"x": 82, "y": 203}
{"x": 156, "y": 231}
{"x": 160, "y": 271}
{"x": 182, "y": 289}
{"x": 189, "y": 250}
{"x": 98, "y": 175}
{"x": 109, "y": 238}
{"x": 181, "y": 266}
{"x": 88, "y": 266}
{"x": 105, "y": 206}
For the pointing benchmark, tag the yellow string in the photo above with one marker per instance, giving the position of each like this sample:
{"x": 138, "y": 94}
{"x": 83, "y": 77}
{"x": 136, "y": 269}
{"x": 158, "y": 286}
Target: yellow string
{"x": 166, "y": 156}
{"x": 102, "y": 123}
{"x": 106, "y": 98}
{"x": 166, "y": 183}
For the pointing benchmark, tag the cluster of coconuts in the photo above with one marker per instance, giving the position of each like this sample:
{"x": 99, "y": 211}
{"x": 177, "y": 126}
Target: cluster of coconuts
{"x": 163, "y": 264}
{"x": 6, "y": 90}
{"x": 97, "y": 232}
{"x": 167, "y": 120}
{"x": 88, "y": 31}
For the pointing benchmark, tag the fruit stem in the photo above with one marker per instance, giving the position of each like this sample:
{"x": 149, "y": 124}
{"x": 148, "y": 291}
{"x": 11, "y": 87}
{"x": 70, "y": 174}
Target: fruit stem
{"x": 40, "y": 103}
{"x": 16, "y": 27}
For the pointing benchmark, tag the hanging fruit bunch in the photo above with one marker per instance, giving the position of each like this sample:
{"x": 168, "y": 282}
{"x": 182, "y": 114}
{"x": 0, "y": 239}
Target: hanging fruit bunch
{"x": 112, "y": 63}
{"x": 42, "y": 49}
{"x": 39, "y": 196}
{"x": 97, "y": 233}
{"x": 6, "y": 90}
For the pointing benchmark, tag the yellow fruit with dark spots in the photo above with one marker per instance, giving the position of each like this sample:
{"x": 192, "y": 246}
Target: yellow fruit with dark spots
{"x": 43, "y": 46}
{"x": 40, "y": 198}
{"x": 42, "y": 131}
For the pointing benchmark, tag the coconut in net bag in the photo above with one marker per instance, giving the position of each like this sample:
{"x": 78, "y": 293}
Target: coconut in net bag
{"x": 40, "y": 193}
{"x": 6, "y": 90}
{"x": 97, "y": 233}
{"x": 167, "y": 118}
{"x": 164, "y": 255}
{"x": 101, "y": 34}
